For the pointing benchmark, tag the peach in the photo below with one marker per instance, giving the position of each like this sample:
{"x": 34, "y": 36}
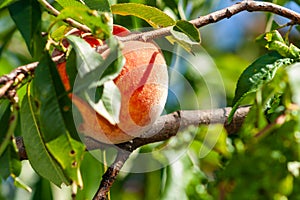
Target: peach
{"x": 143, "y": 84}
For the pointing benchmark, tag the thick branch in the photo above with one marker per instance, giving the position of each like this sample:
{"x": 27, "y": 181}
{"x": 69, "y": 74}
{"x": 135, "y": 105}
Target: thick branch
{"x": 168, "y": 126}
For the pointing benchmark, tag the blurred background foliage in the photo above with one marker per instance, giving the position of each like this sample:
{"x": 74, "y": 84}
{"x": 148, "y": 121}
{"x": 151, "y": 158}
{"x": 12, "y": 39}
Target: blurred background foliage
{"x": 238, "y": 166}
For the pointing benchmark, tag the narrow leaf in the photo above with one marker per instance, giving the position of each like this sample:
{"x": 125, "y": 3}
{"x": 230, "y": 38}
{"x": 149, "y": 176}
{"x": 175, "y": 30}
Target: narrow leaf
{"x": 27, "y": 16}
{"x": 67, "y": 151}
{"x": 5, "y": 3}
{"x": 258, "y": 73}
{"x": 70, "y": 3}
{"x": 4, "y": 119}
{"x": 155, "y": 17}
{"x": 38, "y": 155}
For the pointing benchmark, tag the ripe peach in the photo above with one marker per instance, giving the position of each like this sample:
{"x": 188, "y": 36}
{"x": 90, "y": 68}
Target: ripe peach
{"x": 143, "y": 84}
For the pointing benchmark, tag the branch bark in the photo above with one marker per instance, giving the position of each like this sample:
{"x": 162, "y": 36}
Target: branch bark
{"x": 164, "y": 128}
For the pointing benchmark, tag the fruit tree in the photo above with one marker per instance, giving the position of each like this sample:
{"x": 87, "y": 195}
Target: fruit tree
{"x": 104, "y": 99}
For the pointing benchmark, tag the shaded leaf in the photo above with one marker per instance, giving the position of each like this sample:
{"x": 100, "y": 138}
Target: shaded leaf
{"x": 4, "y": 118}
{"x": 110, "y": 103}
{"x": 38, "y": 155}
{"x": 27, "y": 17}
{"x": 100, "y": 5}
{"x": 155, "y": 17}
{"x": 87, "y": 59}
{"x": 66, "y": 151}
{"x": 188, "y": 30}
{"x": 258, "y": 73}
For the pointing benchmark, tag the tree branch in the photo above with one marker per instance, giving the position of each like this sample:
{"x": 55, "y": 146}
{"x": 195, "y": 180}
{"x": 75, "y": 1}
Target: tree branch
{"x": 168, "y": 126}
{"x": 110, "y": 175}
{"x": 219, "y": 15}
{"x": 164, "y": 128}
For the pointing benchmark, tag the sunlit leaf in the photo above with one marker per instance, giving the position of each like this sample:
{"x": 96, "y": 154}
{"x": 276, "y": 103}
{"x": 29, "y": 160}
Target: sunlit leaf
{"x": 95, "y": 20}
{"x": 186, "y": 35}
{"x": 258, "y": 73}
{"x": 5, "y": 3}
{"x": 155, "y": 17}
{"x": 70, "y": 3}
{"x": 274, "y": 41}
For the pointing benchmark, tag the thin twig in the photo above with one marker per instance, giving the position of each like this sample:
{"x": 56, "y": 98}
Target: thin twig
{"x": 70, "y": 21}
{"x": 219, "y": 15}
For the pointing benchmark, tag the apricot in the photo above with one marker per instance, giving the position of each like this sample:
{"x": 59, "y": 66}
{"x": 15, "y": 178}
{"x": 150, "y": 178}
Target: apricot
{"x": 143, "y": 84}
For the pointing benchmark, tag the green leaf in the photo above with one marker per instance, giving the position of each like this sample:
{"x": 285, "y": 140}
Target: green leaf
{"x": 257, "y": 74}
{"x": 110, "y": 103}
{"x": 100, "y": 23}
{"x": 100, "y": 5}
{"x": 186, "y": 35}
{"x": 27, "y": 17}
{"x": 5, "y": 113}
{"x": 10, "y": 162}
{"x": 66, "y": 150}
{"x": 87, "y": 58}
{"x": 38, "y": 155}
{"x": 70, "y": 3}
{"x": 187, "y": 29}
{"x": 155, "y": 17}
{"x": 274, "y": 41}
{"x": 5, "y": 3}
{"x": 94, "y": 73}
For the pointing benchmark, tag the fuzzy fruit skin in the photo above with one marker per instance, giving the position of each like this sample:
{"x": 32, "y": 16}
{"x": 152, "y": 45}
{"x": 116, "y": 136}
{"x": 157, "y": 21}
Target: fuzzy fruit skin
{"x": 143, "y": 84}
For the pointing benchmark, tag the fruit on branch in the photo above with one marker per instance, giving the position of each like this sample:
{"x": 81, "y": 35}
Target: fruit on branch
{"x": 143, "y": 84}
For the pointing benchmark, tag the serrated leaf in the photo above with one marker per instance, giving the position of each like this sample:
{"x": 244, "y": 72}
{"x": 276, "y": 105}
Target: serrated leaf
{"x": 27, "y": 17}
{"x": 38, "y": 155}
{"x": 260, "y": 72}
{"x": 66, "y": 151}
{"x": 155, "y": 17}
